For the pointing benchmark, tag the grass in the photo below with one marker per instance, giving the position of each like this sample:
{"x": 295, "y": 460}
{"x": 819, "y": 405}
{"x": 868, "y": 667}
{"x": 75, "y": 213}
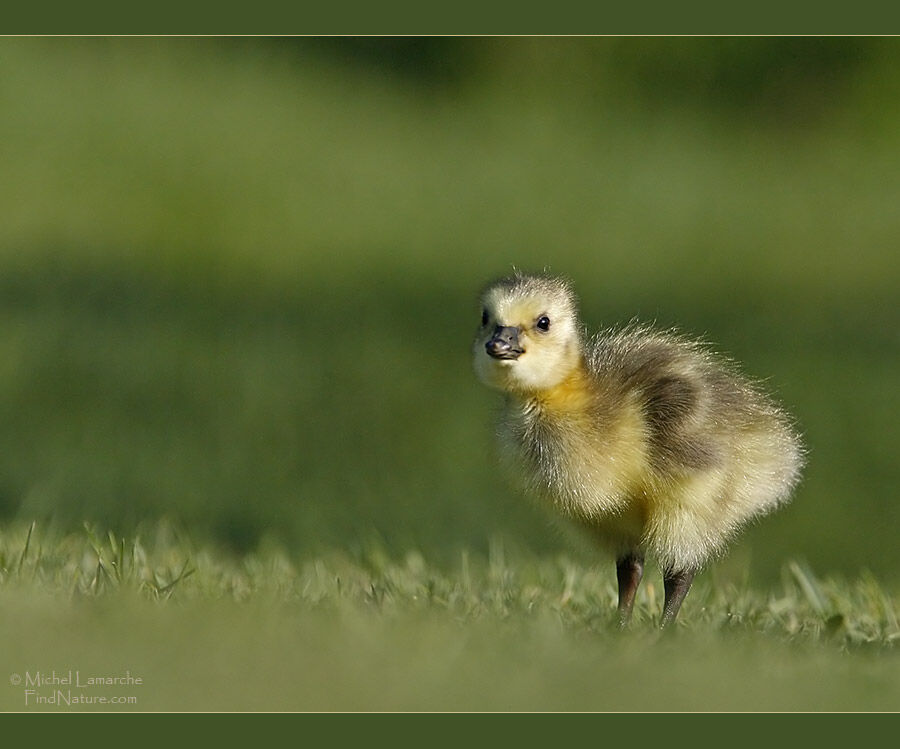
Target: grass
{"x": 365, "y": 630}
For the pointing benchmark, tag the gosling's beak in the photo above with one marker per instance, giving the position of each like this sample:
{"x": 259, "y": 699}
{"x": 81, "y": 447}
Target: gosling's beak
{"x": 504, "y": 343}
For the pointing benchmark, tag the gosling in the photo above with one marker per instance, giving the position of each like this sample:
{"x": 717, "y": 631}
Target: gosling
{"x": 641, "y": 436}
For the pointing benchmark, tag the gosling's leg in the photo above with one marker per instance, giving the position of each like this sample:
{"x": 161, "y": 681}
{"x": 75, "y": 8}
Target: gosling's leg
{"x": 676, "y": 584}
{"x": 629, "y": 570}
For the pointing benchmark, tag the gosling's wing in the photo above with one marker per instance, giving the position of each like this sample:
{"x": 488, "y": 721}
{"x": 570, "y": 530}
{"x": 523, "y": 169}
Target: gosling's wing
{"x": 683, "y": 392}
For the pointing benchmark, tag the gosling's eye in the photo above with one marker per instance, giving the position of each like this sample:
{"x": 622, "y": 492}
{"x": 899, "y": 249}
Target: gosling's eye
{"x": 484, "y": 318}
{"x": 543, "y": 323}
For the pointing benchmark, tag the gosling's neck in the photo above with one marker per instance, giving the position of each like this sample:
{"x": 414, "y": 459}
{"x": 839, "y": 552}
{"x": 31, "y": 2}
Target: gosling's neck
{"x": 571, "y": 394}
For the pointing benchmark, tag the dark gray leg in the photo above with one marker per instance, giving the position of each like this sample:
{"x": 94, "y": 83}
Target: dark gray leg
{"x": 629, "y": 570}
{"x": 677, "y": 585}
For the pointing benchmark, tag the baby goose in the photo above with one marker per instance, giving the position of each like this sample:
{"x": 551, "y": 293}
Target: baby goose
{"x": 640, "y": 435}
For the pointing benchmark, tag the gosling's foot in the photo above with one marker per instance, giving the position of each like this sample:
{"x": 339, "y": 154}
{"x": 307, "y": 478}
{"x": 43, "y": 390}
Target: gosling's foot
{"x": 676, "y": 584}
{"x": 629, "y": 571}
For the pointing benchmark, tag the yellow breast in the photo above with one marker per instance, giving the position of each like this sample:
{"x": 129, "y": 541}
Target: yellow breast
{"x": 581, "y": 448}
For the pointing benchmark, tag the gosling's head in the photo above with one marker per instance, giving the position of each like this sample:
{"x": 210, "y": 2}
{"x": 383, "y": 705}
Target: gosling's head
{"x": 529, "y": 339}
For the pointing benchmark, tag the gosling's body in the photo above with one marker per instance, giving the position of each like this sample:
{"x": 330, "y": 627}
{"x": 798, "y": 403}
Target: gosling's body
{"x": 640, "y": 435}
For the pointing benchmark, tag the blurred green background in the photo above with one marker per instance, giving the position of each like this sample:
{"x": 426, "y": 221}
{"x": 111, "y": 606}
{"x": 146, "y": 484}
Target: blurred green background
{"x": 238, "y": 277}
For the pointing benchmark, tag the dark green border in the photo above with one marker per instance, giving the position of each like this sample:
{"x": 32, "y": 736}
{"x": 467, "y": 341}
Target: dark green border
{"x": 519, "y": 730}
{"x": 359, "y": 18}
